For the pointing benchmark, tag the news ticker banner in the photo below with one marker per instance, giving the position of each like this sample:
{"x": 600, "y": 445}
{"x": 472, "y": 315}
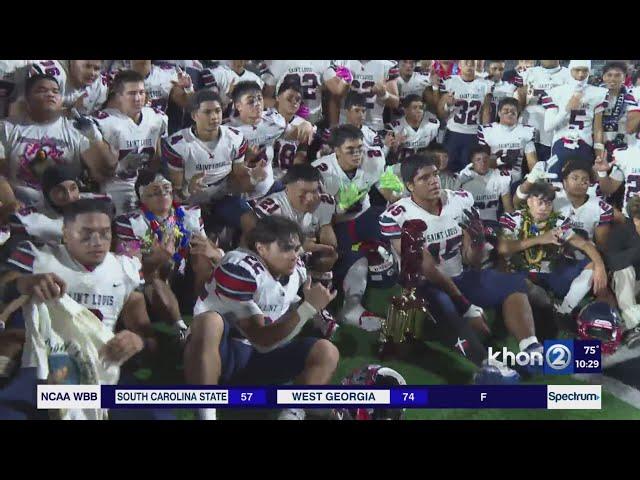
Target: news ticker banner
{"x": 586, "y": 397}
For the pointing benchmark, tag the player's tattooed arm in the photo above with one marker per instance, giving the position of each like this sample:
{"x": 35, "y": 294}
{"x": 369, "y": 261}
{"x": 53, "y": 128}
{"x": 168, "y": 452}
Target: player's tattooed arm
{"x": 100, "y": 160}
{"x": 486, "y": 109}
{"x": 507, "y": 202}
{"x": 601, "y": 236}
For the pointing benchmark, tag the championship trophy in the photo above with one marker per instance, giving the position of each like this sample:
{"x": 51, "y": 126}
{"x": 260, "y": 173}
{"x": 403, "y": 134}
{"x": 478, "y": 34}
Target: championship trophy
{"x": 407, "y": 312}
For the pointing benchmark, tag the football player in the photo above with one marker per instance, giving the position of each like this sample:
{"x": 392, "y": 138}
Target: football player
{"x": 165, "y": 236}
{"x": 622, "y": 115}
{"x": 377, "y": 80}
{"x": 573, "y": 112}
{"x": 45, "y": 137}
{"x": 489, "y": 186}
{"x": 626, "y": 169}
{"x": 163, "y": 83}
{"x": 287, "y": 153}
{"x": 588, "y": 215}
{"x": 416, "y": 130}
{"x": 531, "y": 240}
{"x": 261, "y": 129}
{"x": 223, "y": 78}
{"x": 498, "y": 90}
{"x": 314, "y": 77}
{"x": 536, "y": 81}
{"x": 206, "y": 163}
{"x": 411, "y": 82}
{"x": 456, "y": 295}
{"x": 460, "y": 105}
{"x": 247, "y": 322}
{"x": 133, "y": 132}
{"x": 509, "y": 141}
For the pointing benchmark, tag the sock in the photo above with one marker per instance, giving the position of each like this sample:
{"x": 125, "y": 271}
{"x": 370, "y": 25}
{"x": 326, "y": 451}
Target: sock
{"x": 354, "y": 285}
{"x": 526, "y": 342}
{"x": 6, "y": 366}
{"x": 579, "y": 288}
{"x": 207, "y": 413}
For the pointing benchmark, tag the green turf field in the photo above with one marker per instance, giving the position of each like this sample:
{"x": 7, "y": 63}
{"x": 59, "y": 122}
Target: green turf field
{"x": 434, "y": 365}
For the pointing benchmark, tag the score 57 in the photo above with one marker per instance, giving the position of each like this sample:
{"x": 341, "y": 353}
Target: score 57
{"x": 246, "y": 396}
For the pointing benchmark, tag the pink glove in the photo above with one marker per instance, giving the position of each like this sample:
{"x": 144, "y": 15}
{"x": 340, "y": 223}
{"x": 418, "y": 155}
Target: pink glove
{"x": 303, "y": 111}
{"x": 345, "y": 74}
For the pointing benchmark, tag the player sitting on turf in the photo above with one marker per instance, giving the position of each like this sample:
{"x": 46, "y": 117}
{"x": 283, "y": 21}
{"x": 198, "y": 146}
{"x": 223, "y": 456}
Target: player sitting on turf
{"x": 532, "y": 241}
{"x": 247, "y": 322}
{"x": 416, "y": 130}
{"x": 287, "y": 153}
{"x": 349, "y": 176}
{"x": 165, "y": 236}
{"x": 302, "y": 202}
{"x": 206, "y": 165}
{"x": 455, "y": 234}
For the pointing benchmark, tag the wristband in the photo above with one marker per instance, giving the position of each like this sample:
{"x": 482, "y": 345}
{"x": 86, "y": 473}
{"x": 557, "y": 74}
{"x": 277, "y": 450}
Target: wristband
{"x": 520, "y": 194}
{"x": 603, "y": 174}
{"x": 598, "y": 146}
{"x": 306, "y": 312}
{"x": 461, "y": 303}
{"x": 386, "y": 95}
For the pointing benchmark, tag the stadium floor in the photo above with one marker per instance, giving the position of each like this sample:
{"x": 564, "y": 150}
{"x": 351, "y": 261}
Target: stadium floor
{"x": 434, "y": 365}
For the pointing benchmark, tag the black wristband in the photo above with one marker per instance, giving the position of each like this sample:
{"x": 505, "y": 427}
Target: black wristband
{"x": 461, "y": 303}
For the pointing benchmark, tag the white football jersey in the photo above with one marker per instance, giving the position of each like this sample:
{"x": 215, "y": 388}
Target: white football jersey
{"x": 185, "y": 152}
{"x": 499, "y": 90}
{"x": 416, "y": 85}
{"x": 221, "y": 78}
{"x": 365, "y": 177}
{"x": 242, "y": 287}
{"x": 538, "y": 81}
{"x": 579, "y": 124}
{"x": 464, "y": 116}
{"x": 278, "y": 204}
{"x": 96, "y": 95}
{"x": 416, "y": 139}
{"x": 29, "y": 148}
{"x": 309, "y": 74}
{"x": 365, "y": 75}
{"x": 264, "y": 134}
{"x": 487, "y": 191}
{"x": 627, "y": 170}
{"x": 284, "y": 151}
{"x": 103, "y": 290}
{"x": 443, "y": 234}
{"x": 587, "y": 217}
{"x": 510, "y": 143}
{"x": 135, "y": 144}
{"x": 158, "y": 85}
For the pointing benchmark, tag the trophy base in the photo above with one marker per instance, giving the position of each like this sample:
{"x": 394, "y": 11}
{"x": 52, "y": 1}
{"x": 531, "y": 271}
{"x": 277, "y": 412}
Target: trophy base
{"x": 397, "y": 350}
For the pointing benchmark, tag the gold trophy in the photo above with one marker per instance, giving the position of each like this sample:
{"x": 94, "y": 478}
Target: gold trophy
{"x": 407, "y": 312}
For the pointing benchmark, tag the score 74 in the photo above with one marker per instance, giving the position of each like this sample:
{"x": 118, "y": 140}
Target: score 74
{"x": 408, "y": 397}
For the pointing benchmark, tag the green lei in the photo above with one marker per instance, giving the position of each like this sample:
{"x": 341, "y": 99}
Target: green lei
{"x": 531, "y": 259}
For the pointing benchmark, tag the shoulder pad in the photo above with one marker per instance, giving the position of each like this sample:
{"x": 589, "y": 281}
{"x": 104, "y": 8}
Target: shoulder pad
{"x": 175, "y": 139}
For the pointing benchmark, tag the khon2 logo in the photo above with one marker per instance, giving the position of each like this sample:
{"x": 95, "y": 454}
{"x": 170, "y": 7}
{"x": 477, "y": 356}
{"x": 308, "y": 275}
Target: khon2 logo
{"x": 557, "y": 358}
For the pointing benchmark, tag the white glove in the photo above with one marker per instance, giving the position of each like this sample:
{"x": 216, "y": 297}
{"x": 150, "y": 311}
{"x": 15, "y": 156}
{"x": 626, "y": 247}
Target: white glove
{"x": 537, "y": 175}
{"x": 473, "y": 312}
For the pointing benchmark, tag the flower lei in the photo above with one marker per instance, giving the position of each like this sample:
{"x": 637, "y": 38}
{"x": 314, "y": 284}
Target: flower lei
{"x": 534, "y": 256}
{"x": 179, "y": 232}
